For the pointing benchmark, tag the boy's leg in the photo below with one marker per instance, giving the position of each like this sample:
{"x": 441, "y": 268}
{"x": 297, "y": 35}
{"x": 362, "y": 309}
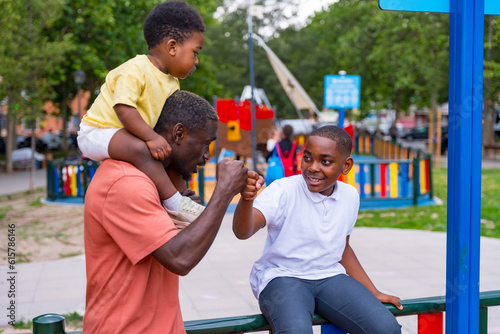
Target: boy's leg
{"x": 127, "y": 147}
{"x": 349, "y": 305}
{"x": 288, "y": 305}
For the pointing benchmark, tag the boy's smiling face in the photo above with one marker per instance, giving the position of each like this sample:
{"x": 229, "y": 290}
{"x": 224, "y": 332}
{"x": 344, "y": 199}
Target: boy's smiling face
{"x": 322, "y": 164}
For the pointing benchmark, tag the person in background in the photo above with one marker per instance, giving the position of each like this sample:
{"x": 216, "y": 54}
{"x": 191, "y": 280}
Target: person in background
{"x": 287, "y": 150}
{"x": 271, "y": 142}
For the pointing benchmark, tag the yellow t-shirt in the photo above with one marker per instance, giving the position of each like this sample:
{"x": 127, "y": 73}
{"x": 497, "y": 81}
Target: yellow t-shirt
{"x": 136, "y": 83}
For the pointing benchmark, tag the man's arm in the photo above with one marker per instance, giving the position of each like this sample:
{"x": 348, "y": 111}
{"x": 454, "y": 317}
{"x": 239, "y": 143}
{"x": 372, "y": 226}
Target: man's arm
{"x": 355, "y": 270}
{"x": 183, "y": 252}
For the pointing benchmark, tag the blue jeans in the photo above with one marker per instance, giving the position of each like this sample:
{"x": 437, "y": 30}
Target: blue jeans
{"x": 289, "y": 303}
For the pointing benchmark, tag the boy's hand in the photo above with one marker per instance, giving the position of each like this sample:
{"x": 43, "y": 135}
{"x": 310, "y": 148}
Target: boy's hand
{"x": 159, "y": 147}
{"x": 385, "y": 298}
{"x": 254, "y": 183}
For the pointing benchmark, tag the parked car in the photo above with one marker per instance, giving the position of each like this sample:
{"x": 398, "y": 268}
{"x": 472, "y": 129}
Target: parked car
{"x": 53, "y": 141}
{"x": 422, "y": 132}
{"x": 21, "y": 158}
{"x": 23, "y": 142}
{"x": 3, "y": 146}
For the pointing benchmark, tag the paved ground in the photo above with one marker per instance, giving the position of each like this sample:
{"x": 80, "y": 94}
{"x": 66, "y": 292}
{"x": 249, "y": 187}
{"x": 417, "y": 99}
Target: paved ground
{"x": 407, "y": 263}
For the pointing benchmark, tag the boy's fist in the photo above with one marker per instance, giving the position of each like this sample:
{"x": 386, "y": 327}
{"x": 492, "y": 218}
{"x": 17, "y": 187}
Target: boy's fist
{"x": 255, "y": 181}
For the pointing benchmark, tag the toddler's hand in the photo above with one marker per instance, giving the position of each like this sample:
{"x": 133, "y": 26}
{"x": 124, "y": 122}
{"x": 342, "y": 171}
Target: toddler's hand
{"x": 254, "y": 183}
{"x": 159, "y": 147}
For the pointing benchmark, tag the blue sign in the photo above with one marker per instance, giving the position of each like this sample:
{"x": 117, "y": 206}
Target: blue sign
{"x": 491, "y": 7}
{"x": 342, "y": 91}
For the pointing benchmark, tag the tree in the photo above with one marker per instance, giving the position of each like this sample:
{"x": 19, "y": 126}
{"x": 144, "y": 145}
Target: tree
{"x": 27, "y": 57}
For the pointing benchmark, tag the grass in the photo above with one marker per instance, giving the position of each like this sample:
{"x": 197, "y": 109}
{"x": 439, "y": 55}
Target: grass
{"x": 74, "y": 320}
{"x": 433, "y": 218}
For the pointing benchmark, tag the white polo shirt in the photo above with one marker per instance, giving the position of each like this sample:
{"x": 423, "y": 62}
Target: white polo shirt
{"x": 306, "y": 231}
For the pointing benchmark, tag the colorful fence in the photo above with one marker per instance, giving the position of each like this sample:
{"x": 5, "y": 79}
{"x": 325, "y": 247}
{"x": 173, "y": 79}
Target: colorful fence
{"x": 68, "y": 179}
{"x": 390, "y": 171}
{"x": 383, "y": 170}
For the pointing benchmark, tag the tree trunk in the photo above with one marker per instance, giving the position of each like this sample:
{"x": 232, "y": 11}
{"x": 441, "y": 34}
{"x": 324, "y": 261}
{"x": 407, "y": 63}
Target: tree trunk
{"x": 432, "y": 120}
{"x": 488, "y": 110}
{"x": 11, "y": 136}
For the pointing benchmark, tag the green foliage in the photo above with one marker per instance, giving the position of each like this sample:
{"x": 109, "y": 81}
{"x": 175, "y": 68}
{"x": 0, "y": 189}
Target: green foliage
{"x": 433, "y": 218}
{"x": 27, "y": 56}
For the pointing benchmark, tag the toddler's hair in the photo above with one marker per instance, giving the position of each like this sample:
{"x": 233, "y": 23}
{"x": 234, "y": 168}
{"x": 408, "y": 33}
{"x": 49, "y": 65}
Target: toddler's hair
{"x": 173, "y": 20}
{"x": 186, "y": 108}
{"x": 338, "y": 135}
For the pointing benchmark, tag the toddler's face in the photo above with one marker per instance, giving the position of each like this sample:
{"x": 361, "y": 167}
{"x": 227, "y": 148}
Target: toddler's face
{"x": 186, "y": 56}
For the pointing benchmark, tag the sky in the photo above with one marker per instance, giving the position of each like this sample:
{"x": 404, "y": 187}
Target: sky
{"x": 306, "y": 8}
{"x": 309, "y": 7}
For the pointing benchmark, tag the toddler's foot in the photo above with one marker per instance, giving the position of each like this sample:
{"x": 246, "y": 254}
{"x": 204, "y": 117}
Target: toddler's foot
{"x": 188, "y": 210}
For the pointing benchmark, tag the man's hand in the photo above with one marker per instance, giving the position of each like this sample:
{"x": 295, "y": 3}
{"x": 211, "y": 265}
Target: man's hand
{"x": 385, "y": 298}
{"x": 255, "y": 181}
{"x": 159, "y": 147}
{"x": 232, "y": 175}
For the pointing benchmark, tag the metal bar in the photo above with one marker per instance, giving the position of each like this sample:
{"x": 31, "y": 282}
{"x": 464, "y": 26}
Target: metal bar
{"x": 252, "y": 85}
{"x": 464, "y": 165}
{"x": 416, "y": 185}
{"x": 483, "y": 320}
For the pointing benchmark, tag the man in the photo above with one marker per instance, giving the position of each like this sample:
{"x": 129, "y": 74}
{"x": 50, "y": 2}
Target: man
{"x": 134, "y": 252}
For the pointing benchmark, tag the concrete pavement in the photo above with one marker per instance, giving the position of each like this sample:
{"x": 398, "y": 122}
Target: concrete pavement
{"x": 407, "y": 263}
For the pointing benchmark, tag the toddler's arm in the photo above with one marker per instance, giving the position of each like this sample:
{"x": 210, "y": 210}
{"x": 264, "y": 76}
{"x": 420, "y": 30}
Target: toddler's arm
{"x": 133, "y": 123}
{"x": 247, "y": 220}
{"x": 355, "y": 270}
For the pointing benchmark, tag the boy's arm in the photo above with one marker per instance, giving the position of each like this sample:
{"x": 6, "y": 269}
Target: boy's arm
{"x": 133, "y": 123}
{"x": 355, "y": 270}
{"x": 247, "y": 220}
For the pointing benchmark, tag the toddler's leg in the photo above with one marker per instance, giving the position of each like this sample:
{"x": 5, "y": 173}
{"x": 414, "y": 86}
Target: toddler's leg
{"x": 288, "y": 305}
{"x": 127, "y": 147}
{"x": 348, "y": 304}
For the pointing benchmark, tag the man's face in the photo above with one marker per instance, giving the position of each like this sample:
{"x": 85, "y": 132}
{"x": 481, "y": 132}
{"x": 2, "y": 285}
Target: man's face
{"x": 193, "y": 150}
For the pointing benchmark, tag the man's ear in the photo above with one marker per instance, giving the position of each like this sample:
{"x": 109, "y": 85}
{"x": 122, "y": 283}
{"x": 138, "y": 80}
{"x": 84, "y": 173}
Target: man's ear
{"x": 348, "y": 163}
{"x": 179, "y": 133}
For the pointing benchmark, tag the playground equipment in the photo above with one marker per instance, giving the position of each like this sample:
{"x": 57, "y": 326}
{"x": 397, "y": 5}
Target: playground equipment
{"x": 68, "y": 181}
{"x": 235, "y": 125}
{"x": 385, "y": 173}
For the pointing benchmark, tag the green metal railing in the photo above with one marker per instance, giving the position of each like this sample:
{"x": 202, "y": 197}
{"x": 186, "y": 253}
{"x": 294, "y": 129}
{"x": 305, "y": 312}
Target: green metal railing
{"x": 425, "y": 308}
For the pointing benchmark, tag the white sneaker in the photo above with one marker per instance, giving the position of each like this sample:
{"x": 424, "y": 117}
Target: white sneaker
{"x": 189, "y": 210}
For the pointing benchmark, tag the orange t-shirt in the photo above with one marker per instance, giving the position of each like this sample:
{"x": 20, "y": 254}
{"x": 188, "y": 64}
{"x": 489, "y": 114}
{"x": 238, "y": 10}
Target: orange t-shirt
{"x": 128, "y": 291}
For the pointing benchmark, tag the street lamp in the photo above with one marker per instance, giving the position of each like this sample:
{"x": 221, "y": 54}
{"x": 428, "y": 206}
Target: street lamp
{"x": 341, "y": 110}
{"x": 79, "y": 77}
